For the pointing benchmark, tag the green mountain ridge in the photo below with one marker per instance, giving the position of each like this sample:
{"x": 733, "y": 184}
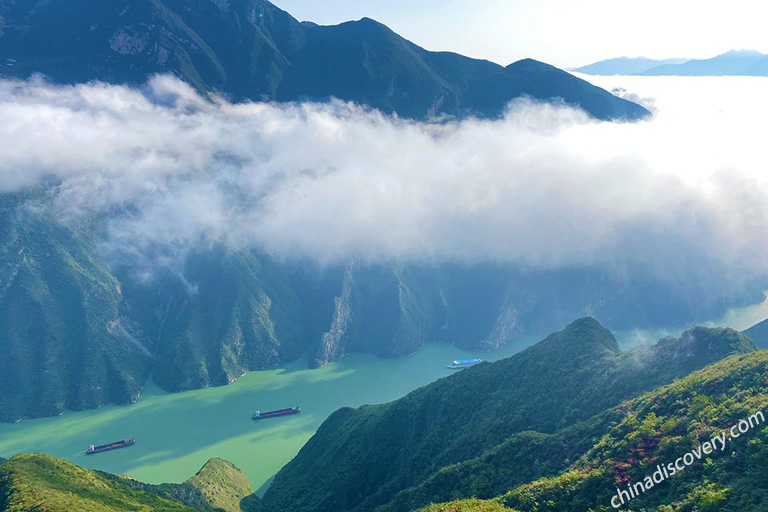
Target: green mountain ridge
{"x": 80, "y": 330}
{"x": 250, "y": 49}
{"x": 657, "y": 428}
{"x": 393, "y": 457}
{"x": 43, "y": 483}
{"x": 59, "y": 320}
{"x": 569, "y": 465}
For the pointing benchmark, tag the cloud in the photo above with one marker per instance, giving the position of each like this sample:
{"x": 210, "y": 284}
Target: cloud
{"x": 682, "y": 194}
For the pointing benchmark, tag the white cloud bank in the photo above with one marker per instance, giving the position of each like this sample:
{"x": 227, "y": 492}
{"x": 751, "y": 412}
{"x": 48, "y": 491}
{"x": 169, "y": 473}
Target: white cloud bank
{"x": 544, "y": 186}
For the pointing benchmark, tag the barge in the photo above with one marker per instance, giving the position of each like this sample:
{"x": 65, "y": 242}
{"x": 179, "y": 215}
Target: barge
{"x": 258, "y": 415}
{"x": 111, "y": 446}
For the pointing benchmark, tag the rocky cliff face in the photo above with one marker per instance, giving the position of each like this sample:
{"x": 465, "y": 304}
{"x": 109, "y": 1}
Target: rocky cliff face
{"x": 60, "y": 335}
{"x": 78, "y": 331}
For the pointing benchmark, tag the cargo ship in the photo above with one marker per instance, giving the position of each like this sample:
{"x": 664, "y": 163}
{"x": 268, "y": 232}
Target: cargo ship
{"x": 464, "y": 363}
{"x": 111, "y": 446}
{"x": 258, "y": 415}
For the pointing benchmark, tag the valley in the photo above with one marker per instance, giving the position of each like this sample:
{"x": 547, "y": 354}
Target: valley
{"x": 177, "y": 433}
{"x": 382, "y": 256}
{"x": 216, "y": 420}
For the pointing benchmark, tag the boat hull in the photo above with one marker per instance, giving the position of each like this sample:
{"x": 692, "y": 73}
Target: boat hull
{"x": 276, "y": 414}
{"x": 458, "y": 365}
{"x": 92, "y": 450}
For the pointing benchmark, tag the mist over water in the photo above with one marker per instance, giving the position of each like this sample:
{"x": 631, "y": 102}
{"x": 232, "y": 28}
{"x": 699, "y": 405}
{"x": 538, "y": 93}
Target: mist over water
{"x": 682, "y": 196}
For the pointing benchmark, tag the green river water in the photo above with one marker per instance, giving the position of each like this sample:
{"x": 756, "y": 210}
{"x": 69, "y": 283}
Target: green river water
{"x": 177, "y": 433}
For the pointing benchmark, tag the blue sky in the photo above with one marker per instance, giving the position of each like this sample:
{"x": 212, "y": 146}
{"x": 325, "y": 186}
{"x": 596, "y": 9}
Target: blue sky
{"x": 562, "y": 32}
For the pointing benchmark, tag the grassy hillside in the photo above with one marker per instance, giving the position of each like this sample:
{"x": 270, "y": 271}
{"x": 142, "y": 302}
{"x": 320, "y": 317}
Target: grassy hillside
{"x": 40, "y": 482}
{"x": 574, "y": 468}
{"x": 394, "y": 456}
{"x": 222, "y": 484}
{"x": 656, "y": 429}
{"x": 472, "y": 505}
{"x": 43, "y": 483}
{"x": 662, "y": 426}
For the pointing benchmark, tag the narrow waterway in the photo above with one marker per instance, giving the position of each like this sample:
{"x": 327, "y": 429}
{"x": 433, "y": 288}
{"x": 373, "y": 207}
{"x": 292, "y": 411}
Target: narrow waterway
{"x": 177, "y": 433}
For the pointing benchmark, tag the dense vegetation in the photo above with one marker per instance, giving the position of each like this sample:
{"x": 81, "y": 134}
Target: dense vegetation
{"x": 44, "y": 483}
{"x": 573, "y": 463}
{"x": 657, "y": 428}
{"x": 251, "y": 49}
{"x": 79, "y": 330}
{"x": 40, "y": 482}
{"x": 471, "y": 505}
{"x": 222, "y": 485}
{"x": 488, "y": 428}
{"x": 62, "y": 342}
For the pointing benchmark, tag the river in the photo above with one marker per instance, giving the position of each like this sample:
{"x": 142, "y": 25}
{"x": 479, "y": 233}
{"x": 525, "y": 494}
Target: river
{"x": 177, "y": 433}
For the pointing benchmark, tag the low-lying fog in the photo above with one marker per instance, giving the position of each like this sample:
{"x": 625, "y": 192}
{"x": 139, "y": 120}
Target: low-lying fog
{"x": 684, "y": 193}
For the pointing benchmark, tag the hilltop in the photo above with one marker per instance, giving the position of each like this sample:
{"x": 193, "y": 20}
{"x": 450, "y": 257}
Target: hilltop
{"x": 554, "y": 429}
{"x": 469, "y": 434}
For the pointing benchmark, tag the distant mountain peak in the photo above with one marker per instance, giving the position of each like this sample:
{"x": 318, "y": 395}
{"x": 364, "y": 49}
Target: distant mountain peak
{"x": 730, "y": 63}
{"x": 742, "y": 52}
{"x": 625, "y": 65}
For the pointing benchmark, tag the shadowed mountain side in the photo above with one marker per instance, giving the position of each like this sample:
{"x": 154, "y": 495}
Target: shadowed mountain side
{"x": 250, "y": 49}
{"x": 759, "y": 334}
{"x": 80, "y": 330}
{"x": 654, "y": 431}
{"x": 361, "y": 458}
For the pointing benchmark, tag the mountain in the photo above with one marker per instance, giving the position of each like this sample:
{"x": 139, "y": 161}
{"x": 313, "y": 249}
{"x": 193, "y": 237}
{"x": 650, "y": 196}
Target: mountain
{"x": 759, "y": 334}
{"x": 250, "y": 49}
{"x": 79, "y": 329}
{"x": 232, "y": 312}
{"x": 656, "y": 429}
{"x": 625, "y": 66}
{"x": 575, "y": 460}
{"x": 60, "y": 332}
{"x": 759, "y": 68}
{"x": 734, "y": 62}
{"x": 546, "y": 404}
{"x": 40, "y": 482}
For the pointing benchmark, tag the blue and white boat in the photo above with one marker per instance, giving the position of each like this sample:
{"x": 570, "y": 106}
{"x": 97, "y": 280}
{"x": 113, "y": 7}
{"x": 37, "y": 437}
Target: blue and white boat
{"x": 464, "y": 363}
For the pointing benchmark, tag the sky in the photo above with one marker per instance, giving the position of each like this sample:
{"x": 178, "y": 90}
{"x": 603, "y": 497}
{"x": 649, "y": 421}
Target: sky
{"x": 561, "y": 32}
